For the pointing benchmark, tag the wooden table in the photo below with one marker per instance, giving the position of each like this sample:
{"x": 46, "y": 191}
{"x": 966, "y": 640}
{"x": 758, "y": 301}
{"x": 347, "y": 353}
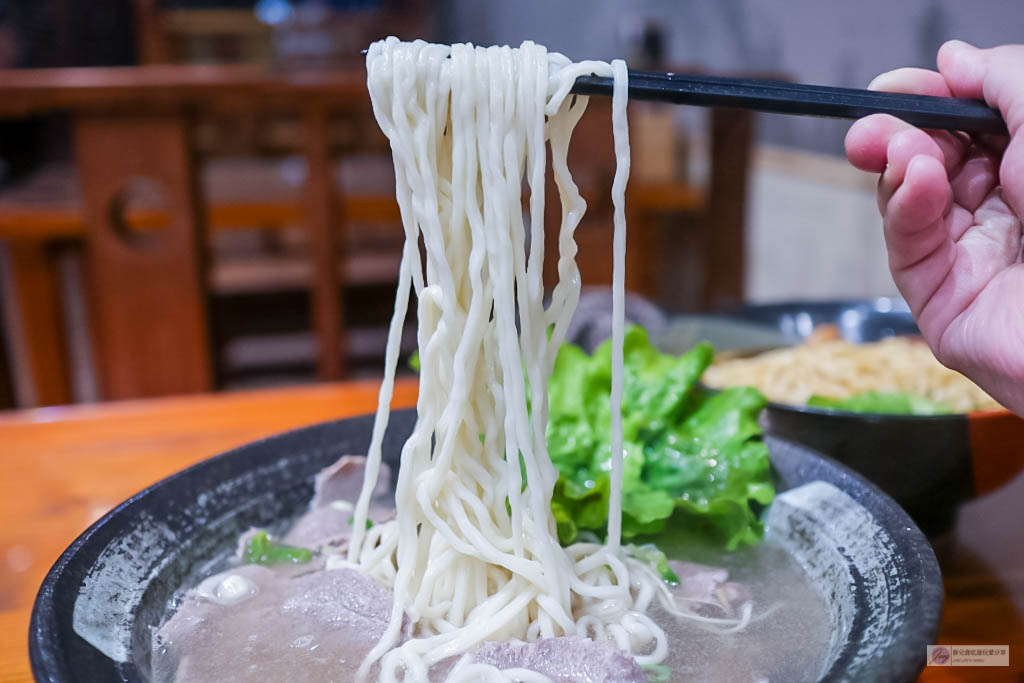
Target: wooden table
{"x": 64, "y": 467}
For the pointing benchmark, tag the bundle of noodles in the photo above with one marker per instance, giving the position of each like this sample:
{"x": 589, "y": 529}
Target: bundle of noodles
{"x": 838, "y": 369}
{"x": 472, "y": 554}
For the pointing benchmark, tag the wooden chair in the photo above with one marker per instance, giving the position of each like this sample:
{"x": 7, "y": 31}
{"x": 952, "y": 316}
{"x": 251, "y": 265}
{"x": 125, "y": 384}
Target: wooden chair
{"x": 243, "y": 134}
{"x": 111, "y": 107}
{"x": 125, "y": 110}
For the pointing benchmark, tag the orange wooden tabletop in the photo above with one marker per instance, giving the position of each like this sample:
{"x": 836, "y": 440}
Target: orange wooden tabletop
{"x": 64, "y": 467}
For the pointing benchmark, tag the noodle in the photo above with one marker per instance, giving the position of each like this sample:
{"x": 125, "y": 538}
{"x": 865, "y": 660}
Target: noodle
{"x": 472, "y": 553}
{"x": 838, "y": 369}
{"x": 462, "y": 186}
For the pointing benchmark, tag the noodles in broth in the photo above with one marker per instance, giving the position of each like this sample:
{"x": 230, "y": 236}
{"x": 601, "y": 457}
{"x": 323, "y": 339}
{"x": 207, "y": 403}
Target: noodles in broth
{"x": 473, "y": 554}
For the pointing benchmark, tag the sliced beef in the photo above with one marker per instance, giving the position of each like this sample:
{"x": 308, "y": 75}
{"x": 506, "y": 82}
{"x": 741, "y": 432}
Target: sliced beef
{"x": 344, "y": 480}
{"x": 703, "y": 584}
{"x": 329, "y": 526}
{"x": 314, "y": 627}
{"x": 329, "y": 519}
{"x": 319, "y": 527}
{"x": 336, "y": 490}
{"x": 564, "y": 660}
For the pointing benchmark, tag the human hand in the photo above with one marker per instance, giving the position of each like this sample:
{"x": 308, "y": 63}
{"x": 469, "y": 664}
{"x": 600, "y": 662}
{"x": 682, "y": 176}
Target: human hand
{"x": 951, "y": 206}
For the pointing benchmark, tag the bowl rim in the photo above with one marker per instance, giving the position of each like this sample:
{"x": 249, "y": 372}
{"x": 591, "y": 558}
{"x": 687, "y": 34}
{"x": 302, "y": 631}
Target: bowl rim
{"x": 903, "y": 417}
{"x": 44, "y": 625}
{"x": 850, "y": 414}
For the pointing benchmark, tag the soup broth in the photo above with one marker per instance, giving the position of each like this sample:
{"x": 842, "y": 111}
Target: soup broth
{"x": 301, "y": 622}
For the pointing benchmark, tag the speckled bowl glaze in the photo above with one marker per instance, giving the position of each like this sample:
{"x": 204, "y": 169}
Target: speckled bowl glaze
{"x": 93, "y": 615}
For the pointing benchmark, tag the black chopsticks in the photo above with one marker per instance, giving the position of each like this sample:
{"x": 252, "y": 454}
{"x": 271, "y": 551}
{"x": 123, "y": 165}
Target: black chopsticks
{"x": 780, "y": 97}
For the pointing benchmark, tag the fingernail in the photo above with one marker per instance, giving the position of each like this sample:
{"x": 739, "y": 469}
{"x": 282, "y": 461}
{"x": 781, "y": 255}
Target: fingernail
{"x": 879, "y": 81}
{"x": 957, "y": 45}
{"x": 962, "y": 63}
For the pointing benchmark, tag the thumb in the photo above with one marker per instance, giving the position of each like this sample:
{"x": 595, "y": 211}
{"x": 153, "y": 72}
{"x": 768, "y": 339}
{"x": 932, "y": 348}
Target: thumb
{"x": 995, "y": 75}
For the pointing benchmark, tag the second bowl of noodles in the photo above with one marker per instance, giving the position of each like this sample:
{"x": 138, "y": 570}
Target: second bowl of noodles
{"x": 854, "y": 380}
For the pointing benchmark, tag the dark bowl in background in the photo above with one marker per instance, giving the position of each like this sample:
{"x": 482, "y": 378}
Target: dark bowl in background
{"x": 858, "y": 320}
{"x": 928, "y": 464}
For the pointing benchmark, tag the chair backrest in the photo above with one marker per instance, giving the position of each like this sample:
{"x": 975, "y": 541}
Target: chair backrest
{"x": 146, "y": 288}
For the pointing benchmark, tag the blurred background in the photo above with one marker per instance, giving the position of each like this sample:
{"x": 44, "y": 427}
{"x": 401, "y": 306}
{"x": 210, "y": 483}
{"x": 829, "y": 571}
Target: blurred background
{"x": 194, "y": 194}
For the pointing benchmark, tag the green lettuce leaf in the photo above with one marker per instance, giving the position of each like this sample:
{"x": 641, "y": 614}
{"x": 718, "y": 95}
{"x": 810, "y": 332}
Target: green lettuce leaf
{"x": 898, "y": 403}
{"x": 691, "y": 456}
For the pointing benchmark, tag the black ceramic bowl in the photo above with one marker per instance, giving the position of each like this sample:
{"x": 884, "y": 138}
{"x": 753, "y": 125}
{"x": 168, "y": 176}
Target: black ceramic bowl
{"x": 93, "y": 614}
{"x": 929, "y": 464}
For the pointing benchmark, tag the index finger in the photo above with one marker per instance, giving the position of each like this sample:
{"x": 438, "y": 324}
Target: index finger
{"x": 913, "y": 81}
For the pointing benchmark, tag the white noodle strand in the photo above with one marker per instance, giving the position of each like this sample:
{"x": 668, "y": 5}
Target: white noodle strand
{"x": 473, "y": 554}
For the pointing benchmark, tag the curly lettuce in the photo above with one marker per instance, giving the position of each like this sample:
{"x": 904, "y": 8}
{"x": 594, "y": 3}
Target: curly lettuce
{"x": 693, "y": 459}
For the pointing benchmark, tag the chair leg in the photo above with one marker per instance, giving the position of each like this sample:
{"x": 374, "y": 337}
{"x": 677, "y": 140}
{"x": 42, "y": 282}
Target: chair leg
{"x": 325, "y": 244}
